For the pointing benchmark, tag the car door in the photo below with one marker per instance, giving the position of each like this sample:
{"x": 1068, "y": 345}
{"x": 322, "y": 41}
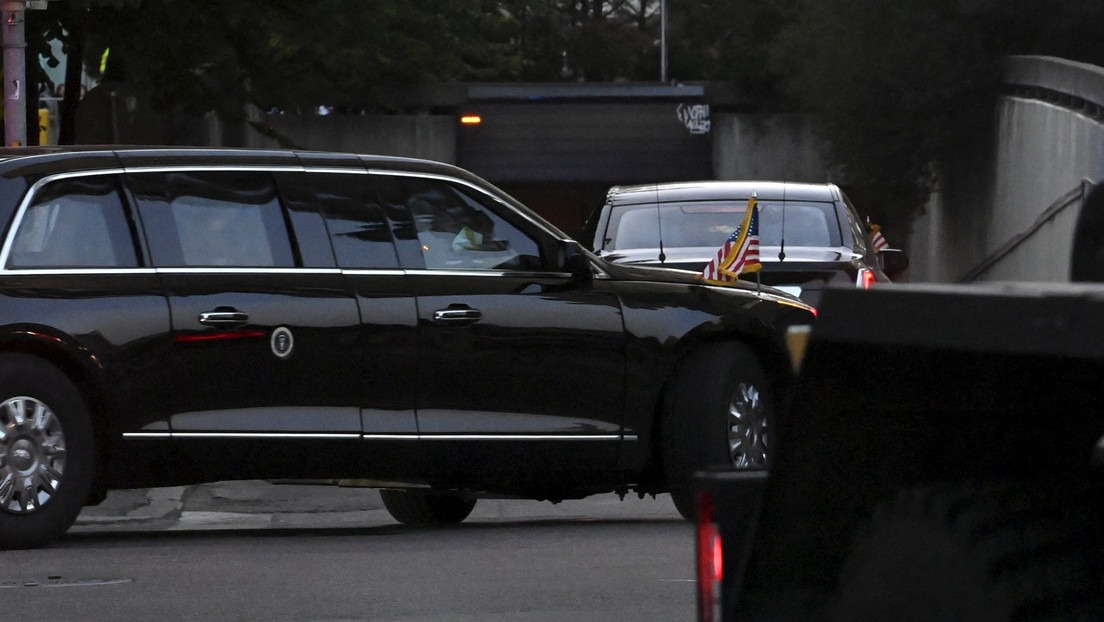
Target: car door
{"x": 361, "y": 241}
{"x": 262, "y": 343}
{"x": 521, "y": 367}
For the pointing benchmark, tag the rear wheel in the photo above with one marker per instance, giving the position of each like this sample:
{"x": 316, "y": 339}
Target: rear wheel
{"x": 47, "y": 453}
{"x": 969, "y": 552}
{"x": 719, "y": 412}
{"x": 423, "y": 508}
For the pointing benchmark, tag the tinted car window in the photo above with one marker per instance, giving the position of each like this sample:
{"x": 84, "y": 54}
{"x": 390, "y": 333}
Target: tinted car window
{"x": 75, "y": 223}
{"x": 300, "y": 197}
{"x": 212, "y": 218}
{"x": 358, "y": 228}
{"x": 710, "y": 223}
{"x": 456, "y": 228}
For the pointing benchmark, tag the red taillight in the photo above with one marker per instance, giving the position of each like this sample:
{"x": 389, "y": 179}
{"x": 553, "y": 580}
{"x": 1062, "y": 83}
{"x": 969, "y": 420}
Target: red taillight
{"x": 866, "y": 278}
{"x": 710, "y": 561}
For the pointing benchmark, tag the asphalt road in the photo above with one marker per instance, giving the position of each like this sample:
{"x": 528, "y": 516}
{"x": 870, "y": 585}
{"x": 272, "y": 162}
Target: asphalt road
{"x": 252, "y": 551}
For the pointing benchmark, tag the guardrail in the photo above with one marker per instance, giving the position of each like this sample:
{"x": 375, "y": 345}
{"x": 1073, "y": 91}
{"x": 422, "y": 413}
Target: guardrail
{"x": 1075, "y": 196}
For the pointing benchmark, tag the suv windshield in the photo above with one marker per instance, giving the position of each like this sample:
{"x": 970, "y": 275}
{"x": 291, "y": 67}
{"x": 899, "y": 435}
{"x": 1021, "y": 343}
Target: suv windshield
{"x": 709, "y": 223}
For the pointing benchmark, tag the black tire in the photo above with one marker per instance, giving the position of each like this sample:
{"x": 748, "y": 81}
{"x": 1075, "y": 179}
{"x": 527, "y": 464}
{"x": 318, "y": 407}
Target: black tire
{"x": 53, "y": 454}
{"x": 420, "y": 508}
{"x": 700, "y": 428}
{"x": 978, "y": 553}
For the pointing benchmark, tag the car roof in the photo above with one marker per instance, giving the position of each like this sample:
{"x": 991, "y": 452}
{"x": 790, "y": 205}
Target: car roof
{"x": 721, "y": 190}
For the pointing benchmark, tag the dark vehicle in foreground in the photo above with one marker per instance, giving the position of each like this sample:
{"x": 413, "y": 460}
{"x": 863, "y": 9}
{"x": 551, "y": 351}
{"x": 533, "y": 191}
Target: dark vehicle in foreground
{"x": 809, "y": 234}
{"x": 969, "y": 486}
{"x": 176, "y": 316}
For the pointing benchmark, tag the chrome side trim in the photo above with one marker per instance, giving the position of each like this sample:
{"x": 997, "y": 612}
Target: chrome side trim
{"x": 491, "y": 273}
{"x": 291, "y": 435}
{"x": 196, "y": 270}
{"x": 373, "y": 272}
{"x": 286, "y": 270}
{"x": 397, "y": 437}
{"x": 524, "y": 437}
{"x": 75, "y": 271}
{"x": 168, "y": 168}
{"x": 323, "y": 169}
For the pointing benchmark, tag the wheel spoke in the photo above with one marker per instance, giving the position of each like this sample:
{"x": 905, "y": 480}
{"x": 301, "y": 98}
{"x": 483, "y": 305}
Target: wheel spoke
{"x": 7, "y": 487}
{"x": 27, "y": 495}
{"x": 45, "y": 479}
{"x": 17, "y": 408}
{"x": 42, "y": 417}
{"x": 54, "y": 447}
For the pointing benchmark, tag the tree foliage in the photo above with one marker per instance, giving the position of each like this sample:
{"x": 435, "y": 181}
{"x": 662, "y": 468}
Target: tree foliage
{"x": 901, "y": 87}
{"x": 898, "y": 85}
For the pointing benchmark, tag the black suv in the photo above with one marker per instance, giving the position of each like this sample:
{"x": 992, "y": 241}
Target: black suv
{"x": 175, "y": 316}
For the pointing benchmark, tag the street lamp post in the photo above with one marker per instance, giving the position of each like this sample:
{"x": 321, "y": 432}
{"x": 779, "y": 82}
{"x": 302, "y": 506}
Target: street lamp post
{"x": 663, "y": 41}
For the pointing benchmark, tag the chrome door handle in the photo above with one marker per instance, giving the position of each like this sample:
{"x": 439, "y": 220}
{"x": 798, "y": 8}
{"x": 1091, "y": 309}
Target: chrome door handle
{"x": 457, "y": 315}
{"x": 223, "y": 319}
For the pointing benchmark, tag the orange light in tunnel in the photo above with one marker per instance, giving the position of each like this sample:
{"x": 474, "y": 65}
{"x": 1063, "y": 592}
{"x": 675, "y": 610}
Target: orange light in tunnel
{"x": 471, "y": 119}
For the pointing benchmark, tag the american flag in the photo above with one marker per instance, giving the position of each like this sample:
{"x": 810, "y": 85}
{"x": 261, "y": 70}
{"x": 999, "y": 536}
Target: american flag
{"x": 740, "y": 253}
{"x": 877, "y": 240}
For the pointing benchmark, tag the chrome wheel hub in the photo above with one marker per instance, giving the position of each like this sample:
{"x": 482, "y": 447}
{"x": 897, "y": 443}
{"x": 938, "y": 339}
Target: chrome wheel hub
{"x": 747, "y": 428}
{"x": 32, "y": 454}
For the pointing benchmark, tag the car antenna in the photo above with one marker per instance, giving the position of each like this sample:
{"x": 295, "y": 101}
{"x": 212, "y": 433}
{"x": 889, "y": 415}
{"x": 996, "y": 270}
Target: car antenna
{"x": 782, "y": 243}
{"x": 659, "y": 224}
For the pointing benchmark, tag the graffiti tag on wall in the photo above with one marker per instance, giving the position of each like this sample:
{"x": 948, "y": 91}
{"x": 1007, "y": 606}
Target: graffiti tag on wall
{"x": 695, "y": 117}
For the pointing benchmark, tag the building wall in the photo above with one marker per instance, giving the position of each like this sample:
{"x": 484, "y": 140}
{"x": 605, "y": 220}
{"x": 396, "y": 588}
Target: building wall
{"x": 1013, "y": 218}
{"x": 781, "y": 147}
{"x": 422, "y": 136}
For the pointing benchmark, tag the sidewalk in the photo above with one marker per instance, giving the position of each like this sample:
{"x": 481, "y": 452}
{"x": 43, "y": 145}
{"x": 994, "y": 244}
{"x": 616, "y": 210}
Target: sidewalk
{"x": 259, "y": 500}
{"x": 256, "y": 504}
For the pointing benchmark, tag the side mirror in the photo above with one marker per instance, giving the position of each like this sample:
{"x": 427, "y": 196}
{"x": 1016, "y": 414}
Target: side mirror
{"x": 893, "y": 261}
{"x": 572, "y": 258}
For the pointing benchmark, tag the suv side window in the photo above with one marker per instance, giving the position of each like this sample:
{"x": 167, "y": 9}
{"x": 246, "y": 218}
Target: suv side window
{"x": 212, "y": 219}
{"x": 78, "y": 222}
{"x": 458, "y": 230}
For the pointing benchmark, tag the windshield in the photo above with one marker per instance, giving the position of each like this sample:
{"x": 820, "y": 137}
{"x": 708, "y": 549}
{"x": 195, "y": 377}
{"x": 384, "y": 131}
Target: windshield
{"x": 708, "y": 224}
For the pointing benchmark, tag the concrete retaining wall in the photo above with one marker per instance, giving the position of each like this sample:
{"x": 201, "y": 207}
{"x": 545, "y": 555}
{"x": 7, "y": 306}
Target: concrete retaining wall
{"x": 779, "y": 147}
{"x": 1013, "y": 218}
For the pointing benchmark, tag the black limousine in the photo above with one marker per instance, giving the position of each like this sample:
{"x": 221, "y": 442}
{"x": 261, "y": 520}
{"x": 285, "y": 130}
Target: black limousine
{"x": 171, "y": 316}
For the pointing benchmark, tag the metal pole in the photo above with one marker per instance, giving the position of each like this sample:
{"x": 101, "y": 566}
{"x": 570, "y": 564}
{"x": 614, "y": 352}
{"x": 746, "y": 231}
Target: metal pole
{"x": 663, "y": 41}
{"x": 15, "y": 73}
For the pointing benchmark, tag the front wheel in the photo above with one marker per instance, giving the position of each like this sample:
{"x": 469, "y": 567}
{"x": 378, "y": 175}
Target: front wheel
{"x": 719, "y": 411}
{"x": 47, "y": 455}
{"x": 420, "y": 508}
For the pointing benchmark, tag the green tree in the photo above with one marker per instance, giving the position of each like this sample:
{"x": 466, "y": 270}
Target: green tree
{"x": 198, "y": 56}
{"x": 728, "y": 40}
{"x": 902, "y": 88}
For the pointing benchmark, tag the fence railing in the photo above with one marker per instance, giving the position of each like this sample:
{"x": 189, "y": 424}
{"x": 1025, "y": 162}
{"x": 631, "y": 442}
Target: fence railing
{"x": 1075, "y": 196}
